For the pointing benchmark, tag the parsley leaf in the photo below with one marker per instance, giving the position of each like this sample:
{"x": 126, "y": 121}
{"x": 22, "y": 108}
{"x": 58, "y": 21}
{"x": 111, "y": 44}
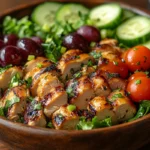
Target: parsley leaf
{"x": 10, "y": 102}
{"x": 28, "y": 82}
{"x": 15, "y": 81}
{"x": 144, "y": 109}
{"x": 115, "y": 96}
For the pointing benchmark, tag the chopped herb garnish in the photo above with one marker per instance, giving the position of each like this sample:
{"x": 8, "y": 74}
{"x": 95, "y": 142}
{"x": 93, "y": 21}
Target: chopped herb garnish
{"x": 30, "y": 99}
{"x": 78, "y": 75}
{"x": 71, "y": 107}
{"x": 3, "y": 69}
{"x": 92, "y": 44}
{"x": 115, "y": 63}
{"x": 77, "y": 57}
{"x": 2, "y": 111}
{"x": 138, "y": 63}
{"x": 28, "y": 82}
{"x": 70, "y": 92}
{"x": 90, "y": 63}
{"x": 39, "y": 65}
{"x": 138, "y": 82}
{"x": 96, "y": 55}
{"x": 15, "y": 81}
{"x": 38, "y": 106}
{"x": 11, "y": 102}
{"x": 31, "y": 57}
{"x": 135, "y": 48}
{"x": 50, "y": 125}
{"x": 115, "y": 96}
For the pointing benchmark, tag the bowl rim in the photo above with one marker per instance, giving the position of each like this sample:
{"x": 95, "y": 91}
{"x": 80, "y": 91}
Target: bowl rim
{"x": 47, "y": 131}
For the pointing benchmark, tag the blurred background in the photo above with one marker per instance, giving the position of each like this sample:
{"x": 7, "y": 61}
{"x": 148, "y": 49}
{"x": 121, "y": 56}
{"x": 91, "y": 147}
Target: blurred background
{"x": 5, "y": 4}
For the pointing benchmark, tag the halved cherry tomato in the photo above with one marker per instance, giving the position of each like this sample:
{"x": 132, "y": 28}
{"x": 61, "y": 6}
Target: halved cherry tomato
{"x": 116, "y": 66}
{"x": 138, "y": 58}
{"x": 139, "y": 89}
{"x": 137, "y": 74}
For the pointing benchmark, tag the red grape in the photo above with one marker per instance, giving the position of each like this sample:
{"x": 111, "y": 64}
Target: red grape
{"x": 1, "y": 44}
{"x": 10, "y": 55}
{"x": 90, "y": 33}
{"x": 37, "y": 40}
{"x": 75, "y": 41}
{"x": 29, "y": 47}
{"x": 10, "y": 39}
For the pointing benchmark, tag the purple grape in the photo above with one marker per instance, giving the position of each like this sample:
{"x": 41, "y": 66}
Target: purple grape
{"x": 90, "y": 33}
{"x": 37, "y": 40}
{"x": 29, "y": 47}
{"x": 75, "y": 41}
{"x": 1, "y": 44}
{"x": 10, "y": 55}
{"x": 10, "y": 39}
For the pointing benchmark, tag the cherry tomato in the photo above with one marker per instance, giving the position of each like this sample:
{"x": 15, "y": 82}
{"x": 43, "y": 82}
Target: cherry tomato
{"x": 137, "y": 74}
{"x": 138, "y": 58}
{"x": 139, "y": 89}
{"x": 116, "y": 66}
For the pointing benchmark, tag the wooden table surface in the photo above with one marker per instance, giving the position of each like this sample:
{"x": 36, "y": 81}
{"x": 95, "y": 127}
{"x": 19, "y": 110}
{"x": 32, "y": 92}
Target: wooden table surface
{"x": 5, "y": 4}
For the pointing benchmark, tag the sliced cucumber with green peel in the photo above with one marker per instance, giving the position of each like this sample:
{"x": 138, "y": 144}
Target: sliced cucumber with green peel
{"x": 134, "y": 31}
{"x": 127, "y": 14}
{"x": 45, "y": 13}
{"x": 147, "y": 44}
{"x": 70, "y": 13}
{"x": 106, "y": 16}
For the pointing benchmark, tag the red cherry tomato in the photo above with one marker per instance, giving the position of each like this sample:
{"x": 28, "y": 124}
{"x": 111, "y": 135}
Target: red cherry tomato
{"x": 138, "y": 58}
{"x": 116, "y": 66}
{"x": 139, "y": 89}
{"x": 137, "y": 74}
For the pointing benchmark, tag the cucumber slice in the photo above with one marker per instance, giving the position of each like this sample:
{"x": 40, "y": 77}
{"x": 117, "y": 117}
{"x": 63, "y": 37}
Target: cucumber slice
{"x": 127, "y": 14}
{"x": 147, "y": 44}
{"x": 45, "y": 13}
{"x": 134, "y": 31}
{"x": 106, "y": 15}
{"x": 70, "y": 13}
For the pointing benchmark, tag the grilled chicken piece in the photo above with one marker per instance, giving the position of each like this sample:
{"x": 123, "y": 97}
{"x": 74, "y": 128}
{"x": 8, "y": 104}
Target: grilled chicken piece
{"x": 36, "y": 72}
{"x": 117, "y": 83}
{"x": 100, "y": 86}
{"x": 102, "y": 109}
{"x": 40, "y": 62}
{"x": 88, "y": 70}
{"x": 111, "y": 42}
{"x": 122, "y": 105}
{"x": 34, "y": 115}
{"x": 81, "y": 93}
{"x": 7, "y": 75}
{"x": 65, "y": 119}
{"x": 72, "y": 62}
{"x": 57, "y": 97}
{"x": 15, "y": 101}
{"x": 46, "y": 83}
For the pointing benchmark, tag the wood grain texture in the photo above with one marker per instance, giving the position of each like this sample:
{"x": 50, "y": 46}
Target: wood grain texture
{"x": 122, "y": 137}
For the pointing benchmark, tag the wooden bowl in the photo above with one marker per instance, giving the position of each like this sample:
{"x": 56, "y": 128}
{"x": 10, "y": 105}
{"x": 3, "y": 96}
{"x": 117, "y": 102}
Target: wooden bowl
{"x": 132, "y": 135}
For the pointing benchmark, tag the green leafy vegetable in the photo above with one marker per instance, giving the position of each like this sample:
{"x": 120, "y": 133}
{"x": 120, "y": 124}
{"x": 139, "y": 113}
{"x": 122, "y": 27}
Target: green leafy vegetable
{"x": 144, "y": 109}
{"x": 95, "y": 123}
{"x": 23, "y": 27}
